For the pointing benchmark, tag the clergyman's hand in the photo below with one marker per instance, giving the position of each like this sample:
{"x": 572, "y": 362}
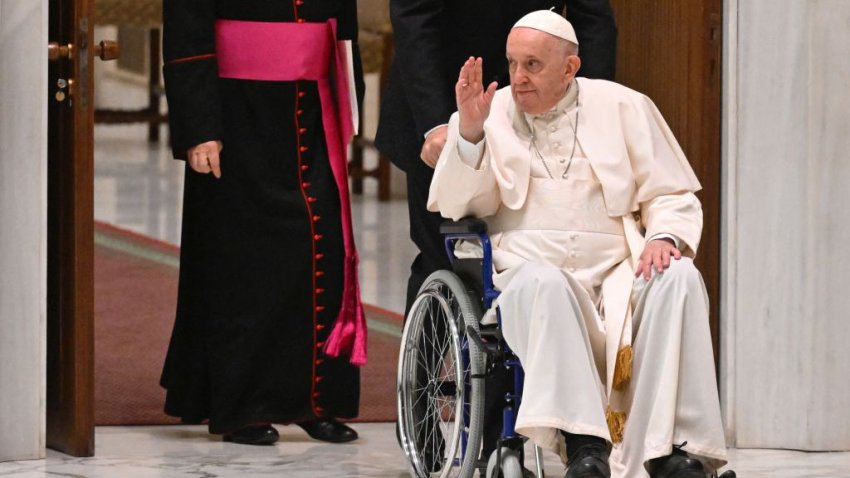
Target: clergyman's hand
{"x": 433, "y": 146}
{"x": 473, "y": 101}
{"x": 656, "y": 254}
{"x": 204, "y": 158}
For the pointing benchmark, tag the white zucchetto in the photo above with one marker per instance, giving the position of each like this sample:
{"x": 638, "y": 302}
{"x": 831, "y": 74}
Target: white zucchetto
{"x": 549, "y": 22}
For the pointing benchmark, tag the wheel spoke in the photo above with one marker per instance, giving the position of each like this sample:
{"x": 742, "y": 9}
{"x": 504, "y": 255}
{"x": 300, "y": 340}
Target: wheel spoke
{"x": 433, "y": 378}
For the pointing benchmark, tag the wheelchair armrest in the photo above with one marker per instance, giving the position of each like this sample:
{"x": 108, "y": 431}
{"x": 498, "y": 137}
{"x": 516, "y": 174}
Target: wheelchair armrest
{"x": 467, "y": 225}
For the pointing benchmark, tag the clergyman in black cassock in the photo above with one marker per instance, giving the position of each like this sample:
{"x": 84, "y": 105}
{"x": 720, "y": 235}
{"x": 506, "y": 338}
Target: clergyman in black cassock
{"x": 262, "y": 253}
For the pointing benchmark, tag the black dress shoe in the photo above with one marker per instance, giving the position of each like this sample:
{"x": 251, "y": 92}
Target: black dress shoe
{"x": 253, "y": 435}
{"x": 676, "y": 465}
{"x": 589, "y": 461}
{"x": 329, "y": 430}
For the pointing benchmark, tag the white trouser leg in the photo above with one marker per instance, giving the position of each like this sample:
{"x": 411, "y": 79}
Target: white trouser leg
{"x": 673, "y": 392}
{"x": 543, "y": 321}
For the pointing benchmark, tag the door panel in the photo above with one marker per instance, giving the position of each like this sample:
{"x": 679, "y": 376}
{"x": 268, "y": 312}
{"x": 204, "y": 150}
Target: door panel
{"x": 671, "y": 50}
{"x": 70, "y": 264}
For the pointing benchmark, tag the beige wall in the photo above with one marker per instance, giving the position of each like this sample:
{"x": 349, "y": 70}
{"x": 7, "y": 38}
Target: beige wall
{"x": 23, "y": 197}
{"x": 786, "y": 307}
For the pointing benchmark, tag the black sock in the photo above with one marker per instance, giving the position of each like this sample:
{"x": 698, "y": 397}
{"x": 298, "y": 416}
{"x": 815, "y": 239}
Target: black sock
{"x": 576, "y": 442}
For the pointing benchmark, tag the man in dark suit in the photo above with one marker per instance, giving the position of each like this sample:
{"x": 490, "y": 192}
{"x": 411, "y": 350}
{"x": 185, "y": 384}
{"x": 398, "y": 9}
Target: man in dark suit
{"x": 433, "y": 38}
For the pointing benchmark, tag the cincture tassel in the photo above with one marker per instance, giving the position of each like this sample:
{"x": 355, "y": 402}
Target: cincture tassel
{"x": 622, "y": 376}
{"x": 616, "y": 424}
{"x": 623, "y": 369}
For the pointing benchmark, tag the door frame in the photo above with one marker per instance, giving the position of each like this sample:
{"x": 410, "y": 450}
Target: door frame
{"x": 70, "y": 226}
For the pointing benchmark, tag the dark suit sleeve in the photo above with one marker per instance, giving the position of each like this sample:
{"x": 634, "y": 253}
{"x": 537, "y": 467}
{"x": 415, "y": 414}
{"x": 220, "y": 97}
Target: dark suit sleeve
{"x": 348, "y": 30}
{"x": 596, "y": 30}
{"x": 191, "y": 73}
{"x": 419, "y": 53}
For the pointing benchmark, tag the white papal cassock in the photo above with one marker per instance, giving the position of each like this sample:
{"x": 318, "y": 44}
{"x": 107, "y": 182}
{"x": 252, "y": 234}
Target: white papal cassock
{"x": 568, "y": 225}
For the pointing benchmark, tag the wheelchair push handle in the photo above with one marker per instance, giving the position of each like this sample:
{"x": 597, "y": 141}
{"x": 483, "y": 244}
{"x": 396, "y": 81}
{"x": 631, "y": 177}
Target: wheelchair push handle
{"x": 471, "y": 226}
{"x": 474, "y": 229}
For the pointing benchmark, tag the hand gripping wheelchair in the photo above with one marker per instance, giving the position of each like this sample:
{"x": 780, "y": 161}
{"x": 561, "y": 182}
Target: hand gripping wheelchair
{"x": 445, "y": 360}
{"x": 445, "y": 357}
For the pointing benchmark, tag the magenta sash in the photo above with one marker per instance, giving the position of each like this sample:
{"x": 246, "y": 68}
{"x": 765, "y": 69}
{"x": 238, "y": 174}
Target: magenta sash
{"x": 308, "y": 51}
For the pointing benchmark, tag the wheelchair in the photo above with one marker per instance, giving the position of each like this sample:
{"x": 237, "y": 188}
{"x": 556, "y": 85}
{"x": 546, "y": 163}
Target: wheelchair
{"x": 445, "y": 359}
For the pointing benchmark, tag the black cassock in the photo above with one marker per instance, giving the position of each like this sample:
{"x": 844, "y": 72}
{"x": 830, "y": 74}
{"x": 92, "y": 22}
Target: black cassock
{"x": 261, "y": 262}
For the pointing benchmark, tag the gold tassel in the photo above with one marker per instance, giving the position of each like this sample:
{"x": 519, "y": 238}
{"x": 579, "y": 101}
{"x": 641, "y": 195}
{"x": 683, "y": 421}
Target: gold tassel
{"x": 623, "y": 368}
{"x": 616, "y": 424}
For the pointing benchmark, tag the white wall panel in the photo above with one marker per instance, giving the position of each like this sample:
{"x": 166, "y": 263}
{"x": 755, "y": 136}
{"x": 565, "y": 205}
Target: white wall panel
{"x": 23, "y": 197}
{"x": 787, "y": 189}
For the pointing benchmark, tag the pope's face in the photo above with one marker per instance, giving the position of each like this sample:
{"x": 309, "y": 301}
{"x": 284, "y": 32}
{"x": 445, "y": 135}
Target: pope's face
{"x": 540, "y": 71}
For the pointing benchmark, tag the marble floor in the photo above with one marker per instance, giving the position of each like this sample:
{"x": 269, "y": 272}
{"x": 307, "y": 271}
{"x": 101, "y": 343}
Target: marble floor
{"x": 138, "y": 187}
{"x": 188, "y": 451}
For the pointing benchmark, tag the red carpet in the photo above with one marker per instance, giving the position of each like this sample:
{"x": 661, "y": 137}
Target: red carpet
{"x": 135, "y": 300}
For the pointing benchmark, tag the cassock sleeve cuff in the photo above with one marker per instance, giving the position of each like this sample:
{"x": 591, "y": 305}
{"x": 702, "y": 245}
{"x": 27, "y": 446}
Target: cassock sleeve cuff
{"x": 471, "y": 154}
{"x": 663, "y": 235}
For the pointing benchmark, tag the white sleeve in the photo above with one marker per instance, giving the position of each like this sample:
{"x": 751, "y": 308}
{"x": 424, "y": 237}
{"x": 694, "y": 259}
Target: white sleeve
{"x": 471, "y": 154}
{"x": 663, "y": 235}
{"x": 463, "y": 186}
{"x": 678, "y": 215}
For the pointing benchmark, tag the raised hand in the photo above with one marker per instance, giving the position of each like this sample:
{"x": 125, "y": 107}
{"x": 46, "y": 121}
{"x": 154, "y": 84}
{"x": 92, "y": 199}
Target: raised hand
{"x": 473, "y": 101}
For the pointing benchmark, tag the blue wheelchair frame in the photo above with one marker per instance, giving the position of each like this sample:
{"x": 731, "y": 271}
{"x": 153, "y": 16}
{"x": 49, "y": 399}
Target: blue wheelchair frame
{"x": 471, "y": 229}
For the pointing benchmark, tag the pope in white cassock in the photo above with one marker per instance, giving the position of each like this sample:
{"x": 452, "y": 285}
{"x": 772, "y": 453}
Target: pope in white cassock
{"x": 590, "y": 203}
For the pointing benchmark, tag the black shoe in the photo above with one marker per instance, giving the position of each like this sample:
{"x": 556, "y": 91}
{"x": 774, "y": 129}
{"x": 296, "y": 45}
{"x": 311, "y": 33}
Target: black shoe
{"x": 253, "y": 435}
{"x": 329, "y": 430}
{"x": 676, "y": 465}
{"x": 589, "y": 461}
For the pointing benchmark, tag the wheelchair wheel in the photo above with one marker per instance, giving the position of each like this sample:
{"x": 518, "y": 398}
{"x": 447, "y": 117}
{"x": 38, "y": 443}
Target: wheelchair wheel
{"x": 511, "y": 467}
{"x": 440, "y": 404}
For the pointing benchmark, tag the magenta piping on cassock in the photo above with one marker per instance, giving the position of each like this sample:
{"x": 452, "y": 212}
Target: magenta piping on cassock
{"x": 286, "y": 51}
